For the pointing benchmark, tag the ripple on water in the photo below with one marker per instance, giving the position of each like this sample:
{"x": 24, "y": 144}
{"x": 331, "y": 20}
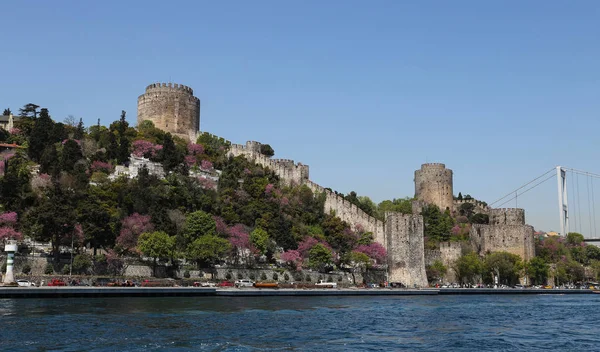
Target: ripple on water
{"x": 416, "y": 323}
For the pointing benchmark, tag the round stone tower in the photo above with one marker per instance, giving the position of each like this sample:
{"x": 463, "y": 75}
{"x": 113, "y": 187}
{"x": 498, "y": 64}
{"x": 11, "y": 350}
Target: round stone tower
{"x": 433, "y": 185}
{"x": 172, "y": 108}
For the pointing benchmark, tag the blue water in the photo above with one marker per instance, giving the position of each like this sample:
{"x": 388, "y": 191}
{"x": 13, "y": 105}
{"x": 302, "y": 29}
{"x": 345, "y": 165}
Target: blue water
{"x": 411, "y": 323}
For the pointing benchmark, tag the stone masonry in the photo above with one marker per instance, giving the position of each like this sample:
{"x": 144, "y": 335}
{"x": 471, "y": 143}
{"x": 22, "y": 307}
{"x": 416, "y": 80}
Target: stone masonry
{"x": 506, "y": 232}
{"x": 172, "y": 108}
{"x": 433, "y": 185}
{"x": 405, "y": 245}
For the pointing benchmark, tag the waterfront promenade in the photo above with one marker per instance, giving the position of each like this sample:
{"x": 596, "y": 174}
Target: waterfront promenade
{"x": 59, "y": 292}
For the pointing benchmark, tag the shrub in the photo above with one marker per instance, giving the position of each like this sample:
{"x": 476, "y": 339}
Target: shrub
{"x": 65, "y": 269}
{"x": 298, "y": 277}
{"x": 228, "y": 276}
{"x": 240, "y": 276}
{"x": 49, "y": 270}
{"x": 263, "y": 276}
{"x": 4, "y": 267}
{"x": 81, "y": 263}
{"x": 275, "y": 276}
{"x": 186, "y": 274}
{"x": 308, "y": 278}
{"x": 286, "y": 277}
{"x": 339, "y": 279}
{"x": 26, "y": 269}
{"x": 330, "y": 279}
{"x": 252, "y": 276}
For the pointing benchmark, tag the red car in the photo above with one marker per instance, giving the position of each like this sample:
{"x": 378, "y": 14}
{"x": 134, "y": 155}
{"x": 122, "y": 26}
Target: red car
{"x": 225, "y": 284}
{"x": 56, "y": 282}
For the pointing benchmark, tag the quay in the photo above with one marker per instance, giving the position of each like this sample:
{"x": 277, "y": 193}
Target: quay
{"x": 73, "y": 292}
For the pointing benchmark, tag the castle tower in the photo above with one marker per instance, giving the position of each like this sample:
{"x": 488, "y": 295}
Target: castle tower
{"x": 405, "y": 244}
{"x": 433, "y": 185}
{"x": 172, "y": 108}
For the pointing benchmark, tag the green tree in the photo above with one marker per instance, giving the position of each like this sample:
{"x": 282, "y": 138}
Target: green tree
{"x": 537, "y": 269}
{"x": 437, "y": 224}
{"x": 319, "y": 257}
{"x": 469, "y": 268}
{"x": 436, "y": 271}
{"x": 70, "y": 155}
{"x": 480, "y": 218}
{"x": 359, "y": 262}
{"x": 401, "y": 205}
{"x": 40, "y": 135}
{"x": 29, "y": 110}
{"x": 15, "y": 189}
{"x": 79, "y": 130}
{"x": 170, "y": 155}
{"x": 157, "y": 245}
{"x": 81, "y": 263}
{"x": 574, "y": 238}
{"x": 266, "y": 150}
{"x": 198, "y": 224}
{"x": 505, "y": 266}
{"x": 208, "y": 249}
{"x": 260, "y": 239}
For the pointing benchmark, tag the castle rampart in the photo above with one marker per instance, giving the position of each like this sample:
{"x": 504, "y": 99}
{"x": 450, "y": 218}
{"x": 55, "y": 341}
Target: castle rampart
{"x": 405, "y": 246}
{"x": 478, "y": 206}
{"x": 515, "y": 239}
{"x": 172, "y": 108}
{"x": 507, "y": 216}
{"x": 433, "y": 185}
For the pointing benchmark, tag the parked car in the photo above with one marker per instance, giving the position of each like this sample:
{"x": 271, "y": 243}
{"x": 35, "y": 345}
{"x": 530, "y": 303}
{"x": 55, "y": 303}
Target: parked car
{"x": 26, "y": 283}
{"x": 56, "y": 282}
{"x": 323, "y": 284}
{"x": 244, "y": 283}
{"x": 225, "y": 284}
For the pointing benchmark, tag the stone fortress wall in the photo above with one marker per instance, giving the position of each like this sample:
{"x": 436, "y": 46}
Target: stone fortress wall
{"x": 291, "y": 173}
{"x": 172, "y": 108}
{"x": 506, "y": 231}
{"x": 405, "y": 247}
{"x": 478, "y": 206}
{"x": 448, "y": 254}
{"x": 433, "y": 185}
{"x": 287, "y": 170}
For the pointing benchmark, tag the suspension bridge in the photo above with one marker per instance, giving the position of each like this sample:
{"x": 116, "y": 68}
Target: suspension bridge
{"x": 575, "y": 200}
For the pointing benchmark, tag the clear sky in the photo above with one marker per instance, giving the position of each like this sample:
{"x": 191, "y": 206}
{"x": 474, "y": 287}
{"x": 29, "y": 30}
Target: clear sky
{"x": 363, "y": 92}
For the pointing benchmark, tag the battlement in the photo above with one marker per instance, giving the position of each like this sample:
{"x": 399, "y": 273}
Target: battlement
{"x": 172, "y": 108}
{"x": 168, "y": 86}
{"x": 433, "y": 166}
{"x": 507, "y": 216}
{"x": 433, "y": 185}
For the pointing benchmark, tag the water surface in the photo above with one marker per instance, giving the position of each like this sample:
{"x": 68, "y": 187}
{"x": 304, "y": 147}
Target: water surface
{"x": 411, "y": 323}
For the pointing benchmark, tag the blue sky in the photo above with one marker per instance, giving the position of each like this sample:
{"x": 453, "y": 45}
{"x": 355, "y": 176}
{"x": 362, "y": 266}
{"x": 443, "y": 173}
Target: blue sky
{"x": 363, "y": 92}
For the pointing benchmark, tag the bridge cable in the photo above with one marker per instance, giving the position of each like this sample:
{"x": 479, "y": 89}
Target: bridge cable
{"x": 527, "y": 190}
{"x": 587, "y": 184}
{"x": 578, "y": 203}
{"x": 593, "y": 206}
{"x": 574, "y": 201}
{"x": 523, "y": 186}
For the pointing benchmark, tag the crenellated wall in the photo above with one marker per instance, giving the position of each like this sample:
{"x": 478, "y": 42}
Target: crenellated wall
{"x": 448, "y": 254}
{"x": 406, "y": 251}
{"x": 349, "y": 212}
{"x": 478, "y": 206}
{"x": 172, "y": 108}
{"x": 507, "y": 216}
{"x": 433, "y": 185}
{"x": 289, "y": 172}
{"x": 515, "y": 239}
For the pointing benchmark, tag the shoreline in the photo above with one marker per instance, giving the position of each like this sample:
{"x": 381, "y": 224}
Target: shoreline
{"x": 91, "y": 292}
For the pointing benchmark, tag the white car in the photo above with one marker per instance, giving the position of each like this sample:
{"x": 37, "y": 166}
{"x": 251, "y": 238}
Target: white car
{"x": 244, "y": 283}
{"x": 25, "y": 283}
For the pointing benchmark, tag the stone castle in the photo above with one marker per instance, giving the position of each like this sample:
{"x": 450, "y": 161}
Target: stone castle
{"x": 172, "y": 108}
{"x": 175, "y": 110}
